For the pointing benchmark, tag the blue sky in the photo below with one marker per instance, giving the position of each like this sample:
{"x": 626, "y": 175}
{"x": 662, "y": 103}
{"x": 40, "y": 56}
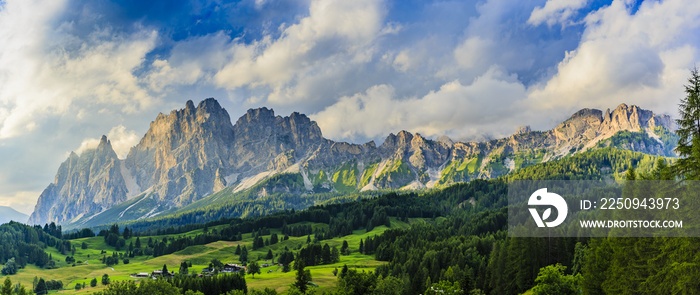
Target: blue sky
{"x": 72, "y": 70}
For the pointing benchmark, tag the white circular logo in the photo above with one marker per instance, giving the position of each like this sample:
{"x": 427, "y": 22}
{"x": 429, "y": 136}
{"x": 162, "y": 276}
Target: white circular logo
{"x": 541, "y": 197}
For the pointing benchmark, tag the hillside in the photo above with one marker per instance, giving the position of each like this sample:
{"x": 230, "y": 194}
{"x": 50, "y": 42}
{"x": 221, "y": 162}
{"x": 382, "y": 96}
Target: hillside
{"x": 195, "y": 157}
{"x": 8, "y": 214}
{"x": 449, "y": 228}
{"x": 605, "y": 163}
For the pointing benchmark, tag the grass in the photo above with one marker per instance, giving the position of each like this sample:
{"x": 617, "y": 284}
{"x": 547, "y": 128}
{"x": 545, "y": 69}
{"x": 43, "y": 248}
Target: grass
{"x": 200, "y": 256}
{"x": 367, "y": 174}
{"x": 345, "y": 179}
{"x": 460, "y": 170}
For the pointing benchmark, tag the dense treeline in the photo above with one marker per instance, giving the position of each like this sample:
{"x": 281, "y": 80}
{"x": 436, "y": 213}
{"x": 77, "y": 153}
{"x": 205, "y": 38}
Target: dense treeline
{"x": 246, "y": 204}
{"x": 83, "y": 233}
{"x": 589, "y": 165}
{"x": 469, "y": 250}
{"x": 25, "y": 244}
{"x": 342, "y": 218}
{"x": 219, "y": 284}
{"x": 189, "y": 285}
{"x": 315, "y": 254}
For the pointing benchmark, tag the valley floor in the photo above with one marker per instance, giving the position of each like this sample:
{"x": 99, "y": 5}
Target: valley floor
{"x": 90, "y": 266}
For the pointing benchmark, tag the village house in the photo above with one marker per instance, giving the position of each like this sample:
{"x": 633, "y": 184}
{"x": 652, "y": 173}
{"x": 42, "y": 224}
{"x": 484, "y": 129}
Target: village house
{"x": 232, "y": 268}
{"x": 159, "y": 272}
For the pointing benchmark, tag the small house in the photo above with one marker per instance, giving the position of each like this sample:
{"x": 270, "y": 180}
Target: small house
{"x": 232, "y": 268}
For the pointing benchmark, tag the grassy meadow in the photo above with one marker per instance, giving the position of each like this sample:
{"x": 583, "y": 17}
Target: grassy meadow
{"x": 88, "y": 265}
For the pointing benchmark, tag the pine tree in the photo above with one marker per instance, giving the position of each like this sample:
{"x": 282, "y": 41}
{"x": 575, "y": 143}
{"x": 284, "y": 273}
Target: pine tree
{"x": 630, "y": 174}
{"x": 40, "y": 287}
{"x": 6, "y": 287}
{"x": 688, "y": 131}
{"x": 184, "y": 268}
{"x": 244, "y": 255}
{"x": 302, "y": 277}
{"x": 344, "y": 248}
{"x": 344, "y": 271}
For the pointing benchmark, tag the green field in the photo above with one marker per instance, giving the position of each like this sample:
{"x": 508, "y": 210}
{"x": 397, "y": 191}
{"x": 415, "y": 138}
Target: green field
{"x": 200, "y": 256}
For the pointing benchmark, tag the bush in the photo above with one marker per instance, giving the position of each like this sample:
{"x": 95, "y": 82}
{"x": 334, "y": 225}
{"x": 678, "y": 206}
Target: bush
{"x": 552, "y": 280}
{"x": 10, "y": 267}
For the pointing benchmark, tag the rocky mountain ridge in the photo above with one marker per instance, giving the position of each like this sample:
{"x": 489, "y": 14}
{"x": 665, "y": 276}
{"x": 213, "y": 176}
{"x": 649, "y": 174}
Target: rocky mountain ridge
{"x": 195, "y": 152}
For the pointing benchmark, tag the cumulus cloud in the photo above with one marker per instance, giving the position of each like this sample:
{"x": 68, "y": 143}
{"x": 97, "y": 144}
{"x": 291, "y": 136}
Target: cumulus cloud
{"x": 640, "y": 58}
{"x": 472, "y": 51}
{"x": 334, "y": 31}
{"x": 45, "y": 70}
{"x": 454, "y": 109}
{"x": 556, "y": 12}
{"x": 121, "y": 139}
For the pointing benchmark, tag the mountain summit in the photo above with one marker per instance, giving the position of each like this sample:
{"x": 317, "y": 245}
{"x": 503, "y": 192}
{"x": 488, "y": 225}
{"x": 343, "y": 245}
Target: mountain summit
{"x": 195, "y": 152}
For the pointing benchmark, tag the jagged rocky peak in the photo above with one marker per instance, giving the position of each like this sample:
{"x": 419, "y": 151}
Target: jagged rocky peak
{"x": 261, "y": 137}
{"x": 255, "y": 116}
{"x": 523, "y": 130}
{"x": 208, "y": 116}
{"x": 634, "y": 118}
{"x": 104, "y": 148}
{"x": 84, "y": 183}
{"x": 262, "y": 123}
{"x": 400, "y": 140}
{"x": 587, "y": 114}
{"x": 592, "y": 122}
{"x": 445, "y": 140}
{"x": 181, "y": 152}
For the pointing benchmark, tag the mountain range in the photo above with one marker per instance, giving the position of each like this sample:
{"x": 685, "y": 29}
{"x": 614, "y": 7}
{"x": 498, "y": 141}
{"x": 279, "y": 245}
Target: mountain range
{"x": 8, "y": 214}
{"x": 192, "y": 154}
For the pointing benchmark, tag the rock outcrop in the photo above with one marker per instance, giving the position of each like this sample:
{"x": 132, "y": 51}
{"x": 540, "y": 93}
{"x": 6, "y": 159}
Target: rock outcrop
{"x": 84, "y": 184}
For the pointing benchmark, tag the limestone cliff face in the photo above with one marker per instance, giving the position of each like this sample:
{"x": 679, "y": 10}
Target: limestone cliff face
{"x": 184, "y": 155}
{"x": 588, "y": 127}
{"x": 84, "y": 184}
{"x": 265, "y": 142}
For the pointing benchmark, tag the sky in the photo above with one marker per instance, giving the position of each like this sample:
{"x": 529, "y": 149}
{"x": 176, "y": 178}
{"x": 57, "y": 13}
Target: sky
{"x": 73, "y": 70}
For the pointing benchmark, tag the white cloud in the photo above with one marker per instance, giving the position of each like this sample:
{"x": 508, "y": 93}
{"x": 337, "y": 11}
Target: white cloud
{"x": 47, "y": 71}
{"x": 640, "y": 58}
{"x": 555, "y": 12}
{"x": 455, "y": 109}
{"x": 473, "y": 52}
{"x": 334, "y": 32}
{"x": 22, "y": 201}
{"x": 121, "y": 139}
